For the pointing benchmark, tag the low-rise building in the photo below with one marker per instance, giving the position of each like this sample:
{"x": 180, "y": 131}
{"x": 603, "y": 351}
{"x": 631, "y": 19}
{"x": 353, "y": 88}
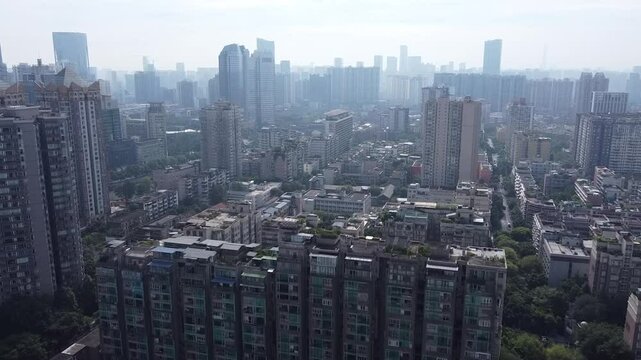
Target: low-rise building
{"x": 342, "y": 203}
{"x": 465, "y": 228}
{"x": 588, "y": 195}
{"x": 234, "y": 222}
{"x": 158, "y": 205}
{"x": 564, "y": 260}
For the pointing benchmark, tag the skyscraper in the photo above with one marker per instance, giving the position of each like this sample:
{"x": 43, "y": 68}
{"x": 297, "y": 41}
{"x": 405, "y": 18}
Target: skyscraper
{"x": 492, "y": 57}
{"x": 610, "y": 140}
{"x": 604, "y": 102}
{"x": 633, "y": 87}
{"x": 147, "y": 87}
{"x": 186, "y": 94}
{"x": 450, "y": 139}
{"x": 584, "y": 88}
{"x": 403, "y": 66}
{"x": 3, "y": 68}
{"x": 233, "y": 63}
{"x": 261, "y": 81}
{"x": 70, "y": 50}
{"x": 266, "y": 46}
{"x": 84, "y": 107}
{"x": 213, "y": 89}
{"x": 378, "y": 62}
{"x": 338, "y": 62}
{"x": 354, "y": 85}
{"x": 392, "y": 65}
{"x": 42, "y": 250}
{"x": 221, "y": 144}
{"x": 157, "y": 124}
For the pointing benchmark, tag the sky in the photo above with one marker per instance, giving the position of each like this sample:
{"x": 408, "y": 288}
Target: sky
{"x": 578, "y": 34}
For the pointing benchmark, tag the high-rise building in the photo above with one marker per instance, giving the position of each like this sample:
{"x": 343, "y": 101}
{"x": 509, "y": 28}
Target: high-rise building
{"x": 354, "y": 85}
{"x": 70, "y": 50}
{"x": 213, "y": 89}
{"x": 399, "y": 119}
{"x": 340, "y": 124}
{"x": 321, "y": 298}
{"x": 519, "y": 119}
{"x": 186, "y": 94}
{"x": 392, "y": 65}
{"x": 584, "y": 88}
{"x": 450, "y": 139}
{"x": 114, "y": 127}
{"x": 550, "y": 96}
{"x": 403, "y": 64}
{"x": 180, "y": 71}
{"x": 633, "y": 87}
{"x": 147, "y": 87}
{"x": 84, "y": 106}
{"x": 233, "y": 63}
{"x": 261, "y": 85}
{"x": 492, "y": 57}
{"x": 283, "y": 86}
{"x": 338, "y": 62}
{"x": 221, "y": 144}
{"x": 610, "y": 140}
{"x": 632, "y": 328}
{"x": 157, "y": 125}
{"x": 378, "y": 62}
{"x": 604, "y": 102}
{"x": 4, "y": 75}
{"x": 41, "y": 244}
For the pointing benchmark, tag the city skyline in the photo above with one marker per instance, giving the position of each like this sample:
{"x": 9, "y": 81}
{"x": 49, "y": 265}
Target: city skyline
{"x": 192, "y": 37}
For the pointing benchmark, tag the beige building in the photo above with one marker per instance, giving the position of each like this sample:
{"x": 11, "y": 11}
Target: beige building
{"x": 451, "y": 131}
{"x": 221, "y": 145}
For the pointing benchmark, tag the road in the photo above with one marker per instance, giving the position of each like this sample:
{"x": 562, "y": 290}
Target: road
{"x": 506, "y": 221}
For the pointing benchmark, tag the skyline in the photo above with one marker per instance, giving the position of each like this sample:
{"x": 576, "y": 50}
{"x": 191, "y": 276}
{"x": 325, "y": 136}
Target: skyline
{"x": 439, "y": 32}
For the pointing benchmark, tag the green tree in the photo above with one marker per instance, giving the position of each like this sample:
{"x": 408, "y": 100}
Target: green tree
{"x": 560, "y": 352}
{"x": 521, "y": 234}
{"x": 600, "y": 341}
{"x": 127, "y": 189}
{"x": 588, "y": 308}
{"x": 65, "y": 327}
{"x": 23, "y": 346}
{"x": 528, "y": 347}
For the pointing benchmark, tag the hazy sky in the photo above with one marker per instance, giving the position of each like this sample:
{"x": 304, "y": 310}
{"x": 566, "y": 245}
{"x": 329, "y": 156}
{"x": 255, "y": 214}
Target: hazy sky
{"x": 578, "y": 33}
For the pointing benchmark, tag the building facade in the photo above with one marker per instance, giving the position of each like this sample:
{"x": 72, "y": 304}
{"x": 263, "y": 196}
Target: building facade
{"x": 221, "y": 144}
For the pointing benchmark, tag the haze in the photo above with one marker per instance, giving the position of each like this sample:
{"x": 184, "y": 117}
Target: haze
{"x": 578, "y": 33}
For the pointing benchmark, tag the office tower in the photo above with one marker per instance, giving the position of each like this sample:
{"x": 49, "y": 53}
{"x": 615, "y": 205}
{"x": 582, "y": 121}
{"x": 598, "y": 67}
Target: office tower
{"x": 604, "y": 102}
{"x": 633, "y": 87}
{"x": 41, "y": 243}
{"x": 266, "y": 46}
{"x": 402, "y": 64}
{"x": 114, "y": 127}
{"x": 147, "y": 87}
{"x": 584, "y": 88}
{"x": 186, "y": 94}
{"x": 461, "y": 67}
{"x": 283, "y": 86}
{"x": 157, "y": 125}
{"x": 4, "y": 75}
{"x": 70, "y": 50}
{"x": 340, "y": 124}
{"x": 233, "y": 63}
{"x": 147, "y": 64}
{"x": 414, "y": 65}
{"x": 492, "y": 57}
{"x": 399, "y": 119}
{"x": 352, "y": 85}
{"x": 338, "y": 62}
{"x": 221, "y": 141}
{"x": 180, "y": 71}
{"x": 261, "y": 78}
{"x": 84, "y": 106}
{"x": 392, "y": 65}
{"x": 610, "y": 140}
{"x": 450, "y": 139}
{"x": 378, "y": 62}
{"x": 213, "y": 89}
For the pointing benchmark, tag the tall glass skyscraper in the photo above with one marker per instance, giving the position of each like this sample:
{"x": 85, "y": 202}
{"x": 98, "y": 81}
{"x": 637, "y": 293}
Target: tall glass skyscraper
{"x": 492, "y": 57}
{"x": 70, "y": 50}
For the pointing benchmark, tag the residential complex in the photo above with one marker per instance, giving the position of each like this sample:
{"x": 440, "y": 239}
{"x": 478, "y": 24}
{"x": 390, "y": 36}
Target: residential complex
{"x": 335, "y": 298}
